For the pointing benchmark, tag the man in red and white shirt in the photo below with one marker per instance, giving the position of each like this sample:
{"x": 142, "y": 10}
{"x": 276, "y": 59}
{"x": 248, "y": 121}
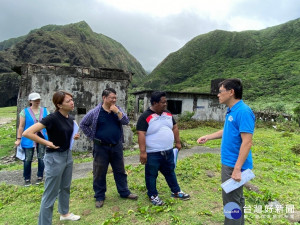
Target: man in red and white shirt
{"x": 157, "y": 131}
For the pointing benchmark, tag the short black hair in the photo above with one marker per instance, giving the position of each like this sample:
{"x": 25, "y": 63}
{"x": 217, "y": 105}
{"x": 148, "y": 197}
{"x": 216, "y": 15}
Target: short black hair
{"x": 235, "y": 84}
{"x": 107, "y": 91}
{"x": 156, "y": 96}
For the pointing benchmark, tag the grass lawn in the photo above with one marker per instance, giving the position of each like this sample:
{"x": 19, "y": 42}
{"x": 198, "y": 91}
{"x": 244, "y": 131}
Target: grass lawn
{"x": 7, "y": 130}
{"x": 276, "y": 167}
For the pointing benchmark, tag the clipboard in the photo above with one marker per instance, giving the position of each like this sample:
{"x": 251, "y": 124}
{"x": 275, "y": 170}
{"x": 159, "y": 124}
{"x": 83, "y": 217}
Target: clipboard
{"x": 230, "y": 184}
{"x": 175, "y": 152}
{"x": 75, "y": 131}
{"x": 20, "y": 153}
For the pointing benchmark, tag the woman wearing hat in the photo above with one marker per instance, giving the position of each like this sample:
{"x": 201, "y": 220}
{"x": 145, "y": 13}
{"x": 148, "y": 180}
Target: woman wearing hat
{"x": 29, "y": 116}
{"x": 58, "y": 158}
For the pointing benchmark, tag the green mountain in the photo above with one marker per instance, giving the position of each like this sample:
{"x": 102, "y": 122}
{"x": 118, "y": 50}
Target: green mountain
{"x": 267, "y": 61}
{"x": 70, "y": 45}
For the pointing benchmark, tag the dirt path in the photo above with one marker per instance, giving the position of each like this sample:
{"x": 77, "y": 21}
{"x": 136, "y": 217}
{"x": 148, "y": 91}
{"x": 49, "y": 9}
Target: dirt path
{"x": 5, "y": 120}
{"x": 82, "y": 170}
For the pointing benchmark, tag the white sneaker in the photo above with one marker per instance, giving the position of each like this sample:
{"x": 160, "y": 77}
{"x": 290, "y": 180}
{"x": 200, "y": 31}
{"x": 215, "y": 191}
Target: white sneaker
{"x": 155, "y": 200}
{"x": 70, "y": 217}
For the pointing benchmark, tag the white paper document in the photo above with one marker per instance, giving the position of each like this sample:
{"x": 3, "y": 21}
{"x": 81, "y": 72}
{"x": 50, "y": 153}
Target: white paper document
{"x": 20, "y": 153}
{"x": 75, "y": 131}
{"x": 230, "y": 184}
{"x": 175, "y": 151}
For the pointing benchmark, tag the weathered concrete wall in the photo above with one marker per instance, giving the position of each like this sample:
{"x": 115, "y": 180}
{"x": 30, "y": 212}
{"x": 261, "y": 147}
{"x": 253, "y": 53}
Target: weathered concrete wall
{"x": 206, "y": 106}
{"x": 85, "y": 84}
{"x": 209, "y": 109}
{"x": 187, "y": 104}
{"x": 187, "y": 101}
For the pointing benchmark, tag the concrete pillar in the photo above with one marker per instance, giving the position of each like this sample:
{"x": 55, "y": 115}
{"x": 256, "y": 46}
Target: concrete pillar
{"x": 146, "y": 103}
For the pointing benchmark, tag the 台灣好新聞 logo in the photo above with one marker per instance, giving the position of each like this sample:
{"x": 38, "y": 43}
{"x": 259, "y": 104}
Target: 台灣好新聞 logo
{"x": 232, "y": 210}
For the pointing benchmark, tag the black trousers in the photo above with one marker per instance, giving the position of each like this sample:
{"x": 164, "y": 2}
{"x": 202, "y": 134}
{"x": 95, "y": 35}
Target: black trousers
{"x": 103, "y": 155}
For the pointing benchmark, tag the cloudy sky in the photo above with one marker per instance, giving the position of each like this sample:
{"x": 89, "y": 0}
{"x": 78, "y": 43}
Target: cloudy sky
{"x": 149, "y": 29}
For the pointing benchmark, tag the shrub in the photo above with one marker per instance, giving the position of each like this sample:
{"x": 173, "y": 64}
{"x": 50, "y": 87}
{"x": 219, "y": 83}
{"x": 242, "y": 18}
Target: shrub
{"x": 280, "y": 107}
{"x": 297, "y": 114}
{"x": 191, "y": 124}
{"x": 287, "y": 126}
{"x": 287, "y": 134}
{"x": 186, "y": 116}
{"x": 296, "y": 149}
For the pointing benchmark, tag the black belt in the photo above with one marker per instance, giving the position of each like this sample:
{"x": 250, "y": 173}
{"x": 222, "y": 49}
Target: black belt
{"x": 50, "y": 150}
{"x": 164, "y": 152}
{"x": 99, "y": 142}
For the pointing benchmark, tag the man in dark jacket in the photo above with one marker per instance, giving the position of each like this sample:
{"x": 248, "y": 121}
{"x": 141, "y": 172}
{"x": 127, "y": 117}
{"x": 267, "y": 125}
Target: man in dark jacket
{"x": 103, "y": 125}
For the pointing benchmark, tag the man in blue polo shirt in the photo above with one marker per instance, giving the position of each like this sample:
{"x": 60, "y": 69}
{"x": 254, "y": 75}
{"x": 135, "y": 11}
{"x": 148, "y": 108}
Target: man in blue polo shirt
{"x": 103, "y": 125}
{"x": 236, "y": 141}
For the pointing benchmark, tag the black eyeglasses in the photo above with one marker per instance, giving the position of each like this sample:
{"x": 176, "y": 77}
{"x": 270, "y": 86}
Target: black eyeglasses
{"x": 221, "y": 91}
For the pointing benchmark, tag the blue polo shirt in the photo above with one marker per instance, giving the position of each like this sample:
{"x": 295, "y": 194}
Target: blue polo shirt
{"x": 239, "y": 119}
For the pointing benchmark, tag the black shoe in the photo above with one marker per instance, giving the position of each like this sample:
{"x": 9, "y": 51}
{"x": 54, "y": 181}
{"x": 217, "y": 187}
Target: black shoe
{"x": 99, "y": 204}
{"x": 39, "y": 180}
{"x": 27, "y": 183}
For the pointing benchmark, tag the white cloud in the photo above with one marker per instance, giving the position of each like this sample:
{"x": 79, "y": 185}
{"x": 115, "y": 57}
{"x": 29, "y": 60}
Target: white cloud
{"x": 240, "y": 24}
{"x": 164, "y": 8}
{"x": 149, "y": 29}
{"x": 154, "y": 8}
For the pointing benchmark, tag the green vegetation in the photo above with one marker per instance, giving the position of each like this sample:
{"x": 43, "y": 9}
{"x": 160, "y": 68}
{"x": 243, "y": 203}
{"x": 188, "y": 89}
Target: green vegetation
{"x": 70, "y": 45}
{"x": 297, "y": 114}
{"x": 276, "y": 166}
{"x": 8, "y": 112}
{"x": 7, "y": 130}
{"x": 266, "y": 61}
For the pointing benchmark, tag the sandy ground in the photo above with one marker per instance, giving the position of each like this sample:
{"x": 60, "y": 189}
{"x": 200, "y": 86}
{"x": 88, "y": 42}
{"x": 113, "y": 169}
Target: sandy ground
{"x": 82, "y": 170}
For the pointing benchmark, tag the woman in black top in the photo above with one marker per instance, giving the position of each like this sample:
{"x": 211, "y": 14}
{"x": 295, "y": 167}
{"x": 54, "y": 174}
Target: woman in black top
{"x": 58, "y": 158}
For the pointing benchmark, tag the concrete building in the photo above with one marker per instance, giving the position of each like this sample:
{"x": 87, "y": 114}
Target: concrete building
{"x": 205, "y": 105}
{"x": 85, "y": 84}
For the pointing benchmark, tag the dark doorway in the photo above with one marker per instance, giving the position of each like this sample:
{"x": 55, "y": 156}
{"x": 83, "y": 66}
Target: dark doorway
{"x": 175, "y": 106}
{"x": 81, "y": 111}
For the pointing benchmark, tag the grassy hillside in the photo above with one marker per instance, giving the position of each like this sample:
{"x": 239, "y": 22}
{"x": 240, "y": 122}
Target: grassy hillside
{"x": 267, "y": 61}
{"x": 73, "y": 45}
{"x": 70, "y": 45}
